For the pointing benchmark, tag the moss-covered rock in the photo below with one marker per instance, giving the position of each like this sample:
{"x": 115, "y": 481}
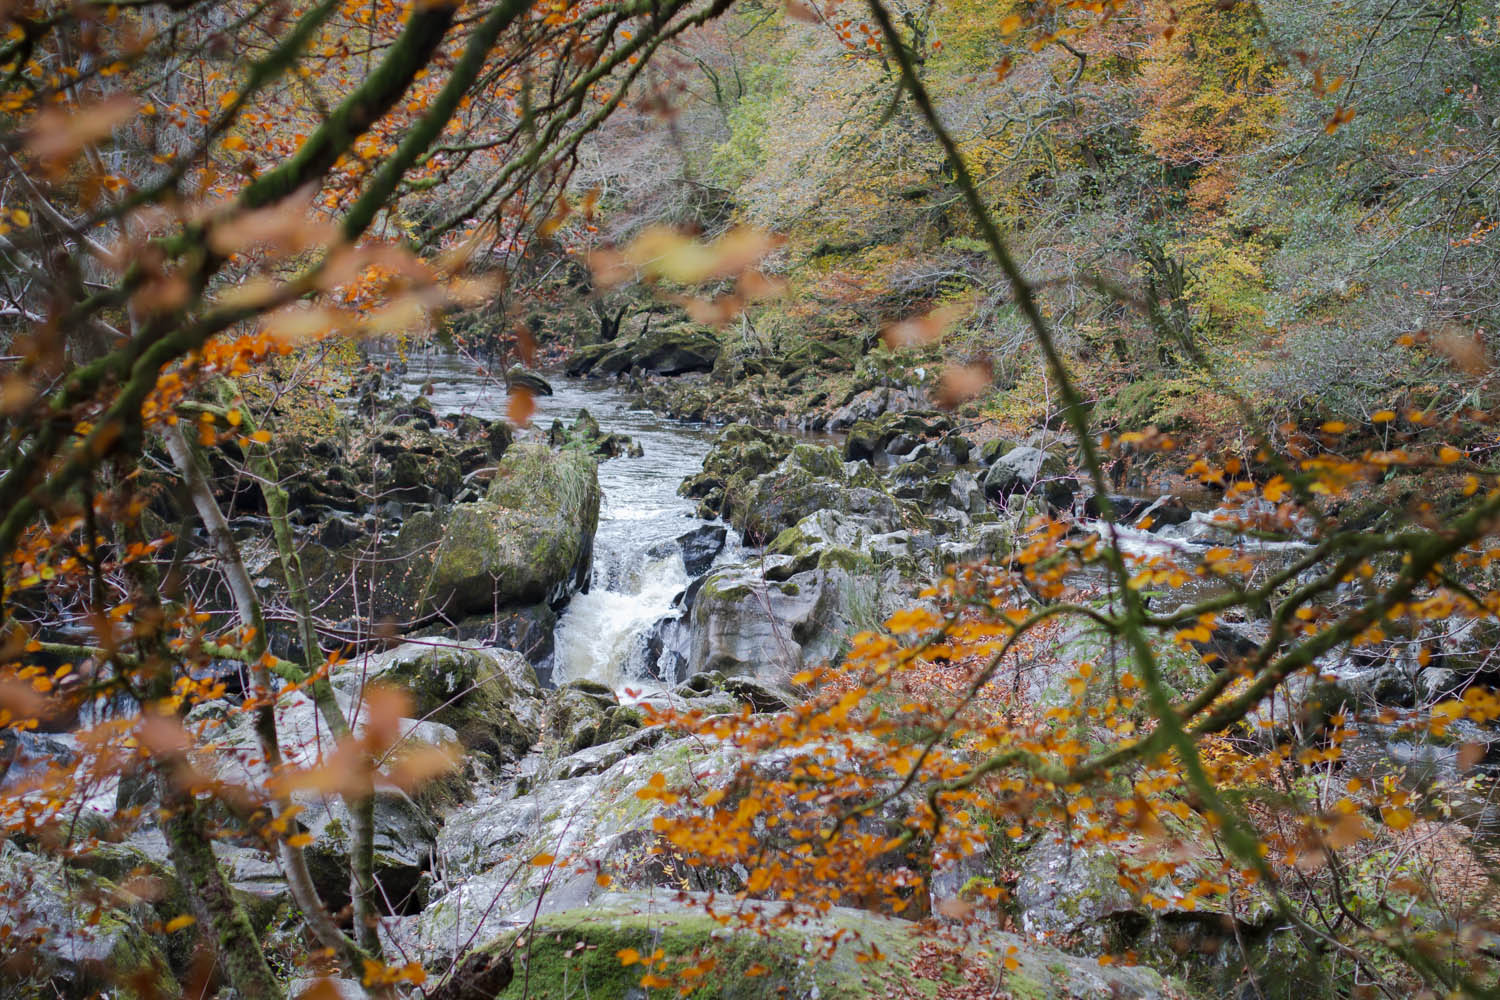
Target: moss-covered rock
{"x": 809, "y": 479}
{"x": 74, "y": 934}
{"x": 663, "y": 350}
{"x": 740, "y": 453}
{"x": 489, "y": 697}
{"x": 529, "y": 540}
{"x": 785, "y": 963}
{"x": 582, "y": 714}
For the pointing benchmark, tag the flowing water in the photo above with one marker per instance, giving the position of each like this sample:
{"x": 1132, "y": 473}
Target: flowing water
{"x": 638, "y": 568}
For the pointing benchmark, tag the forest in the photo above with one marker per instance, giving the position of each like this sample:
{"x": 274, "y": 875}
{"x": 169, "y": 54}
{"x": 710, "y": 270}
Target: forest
{"x": 749, "y": 499}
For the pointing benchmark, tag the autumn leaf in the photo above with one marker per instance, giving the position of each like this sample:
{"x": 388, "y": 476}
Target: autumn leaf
{"x": 521, "y": 406}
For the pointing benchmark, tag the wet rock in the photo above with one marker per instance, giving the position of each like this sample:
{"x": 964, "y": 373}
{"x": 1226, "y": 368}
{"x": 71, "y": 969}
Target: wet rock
{"x": 744, "y": 623}
{"x": 500, "y": 437}
{"x": 404, "y": 827}
{"x": 700, "y": 547}
{"x": 1164, "y": 512}
{"x": 582, "y": 714}
{"x": 1125, "y": 509}
{"x": 530, "y": 540}
{"x": 531, "y": 381}
{"x": 1024, "y": 469}
{"x": 489, "y": 697}
{"x": 591, "y": 820}
{"x": 829, "y": 539}
{"x": 70, "y": 936}
{"x": 587, "y": 434}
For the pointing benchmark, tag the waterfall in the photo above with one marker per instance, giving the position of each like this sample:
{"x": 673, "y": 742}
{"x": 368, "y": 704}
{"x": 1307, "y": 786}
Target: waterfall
{"x": 603, "y": 635}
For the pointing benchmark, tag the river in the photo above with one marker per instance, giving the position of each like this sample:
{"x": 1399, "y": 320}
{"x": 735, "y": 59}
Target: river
{"x": 638, "y": 570}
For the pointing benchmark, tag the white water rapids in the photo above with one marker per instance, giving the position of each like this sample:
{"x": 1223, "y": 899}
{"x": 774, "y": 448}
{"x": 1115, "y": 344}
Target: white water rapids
{"x": 638, "y": 568}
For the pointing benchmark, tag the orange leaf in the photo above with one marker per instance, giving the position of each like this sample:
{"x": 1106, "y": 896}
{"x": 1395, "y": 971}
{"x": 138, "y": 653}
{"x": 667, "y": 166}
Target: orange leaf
{"x": 521, "y": 407}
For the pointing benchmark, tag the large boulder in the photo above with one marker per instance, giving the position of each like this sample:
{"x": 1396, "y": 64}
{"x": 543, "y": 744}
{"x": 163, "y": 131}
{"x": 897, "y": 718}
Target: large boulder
{"x": 405, "y": 824}
{"x": 807, "y": 480}
{"x": 740, "y": 453}
{"x": 529, "y": 540}
{"x": 489, "y": 697}
{"x": 1024, "y": 469}
{"x": 744, "y": 622}
{"x": 578, "y": 950}
{"x": 579, "y": 810}
{"x": 665, "y": 350}
{"x": 871, "y": 403}
{"x": 73, "y": 934}
{"x": 582, "y": 714}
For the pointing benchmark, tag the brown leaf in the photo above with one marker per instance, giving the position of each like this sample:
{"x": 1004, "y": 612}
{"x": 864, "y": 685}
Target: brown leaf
{"x": 920, "y": 330}
{"x": 60, "y": 134}
{"x": 610, "y": 268}
{"x": 799, "y": 10}
{"x": 961, "y": 383}
{"x": 1470, "y": 754}
{"x": 522, "y": 406}
{"x": 422, "y": 763}
{"x": 1465, "y": 351}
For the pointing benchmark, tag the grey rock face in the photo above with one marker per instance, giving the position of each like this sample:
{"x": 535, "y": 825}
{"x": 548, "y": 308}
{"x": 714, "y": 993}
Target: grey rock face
{"x": 744, "y": 623}
{"x": 489, "y": 697}
{"x": 1066, "y": 889}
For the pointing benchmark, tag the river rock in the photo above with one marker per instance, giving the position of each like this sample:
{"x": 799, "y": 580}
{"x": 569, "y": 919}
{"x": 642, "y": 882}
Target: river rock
{"x": 530, "y": 381}
{"x": 529, "y": 540}
{"x": 404, "y": 828}
{"x": 489, "y": 697}
{"x": 872, "y": 403}
{"x": 680, "y": 925}
{"x": 739, "y": 454}
{"x": 665, "y": 350}
{"x": 590, "y": 821}
{"x": 700, "y": 547}
{"x": 1023, "y": 469}
{"x": 70, "y": 935}
{"x": 744, "y": 623}
{"x": 807, "y": 480}
{"x": 582, "y": 714}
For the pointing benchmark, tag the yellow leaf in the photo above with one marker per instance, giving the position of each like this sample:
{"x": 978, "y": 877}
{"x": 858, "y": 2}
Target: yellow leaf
{"x": 628, "y": 956}
{"x": 178, "y": 923}
{"x": 1398, "y": 818}
{"x": 542, "y": 860}
{"x": 300, "y": 840}
{"x": 261, "y": 437}
{"x": 1383, "y": 416}
{"x": 1010, "y": 24}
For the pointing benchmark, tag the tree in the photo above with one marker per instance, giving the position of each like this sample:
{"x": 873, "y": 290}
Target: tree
{"x": 192, "y": 190}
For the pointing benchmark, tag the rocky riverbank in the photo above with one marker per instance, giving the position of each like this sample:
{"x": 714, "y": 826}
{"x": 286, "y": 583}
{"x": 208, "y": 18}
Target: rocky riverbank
{"x": 443, "y": 549}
